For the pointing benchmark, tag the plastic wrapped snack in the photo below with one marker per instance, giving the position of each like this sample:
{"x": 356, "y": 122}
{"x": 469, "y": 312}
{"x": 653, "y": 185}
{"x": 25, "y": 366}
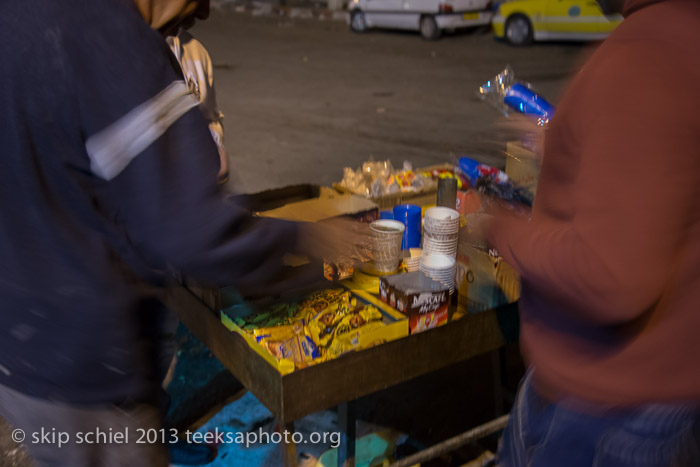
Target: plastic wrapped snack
{"x": 376, "y": 179}
{"x": 322, "y": 321}
{"x": 494, "y": 183}
{"x": 280, "y": 314}
{"x": 349, "y": 328}
{"x": 299, "y": 349}
{"x": 279, "y": 332}
{"x": 508, "y": 95}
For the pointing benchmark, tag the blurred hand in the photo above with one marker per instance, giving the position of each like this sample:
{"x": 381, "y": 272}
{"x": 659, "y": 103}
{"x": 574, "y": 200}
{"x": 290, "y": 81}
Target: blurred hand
{"x": 519, "y": 127}
{"x": 336, "y": 240}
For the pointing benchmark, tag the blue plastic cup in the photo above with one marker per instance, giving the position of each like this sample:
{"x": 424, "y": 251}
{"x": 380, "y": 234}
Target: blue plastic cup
{"x": 410, "y": 216}
{"x": 386, "y": 215}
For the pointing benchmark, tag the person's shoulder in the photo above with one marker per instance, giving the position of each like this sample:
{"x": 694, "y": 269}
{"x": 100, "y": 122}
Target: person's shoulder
{"x": 117, "y": 39}
{"x": 191, "y": 46}
{"x": 669, "y": 26}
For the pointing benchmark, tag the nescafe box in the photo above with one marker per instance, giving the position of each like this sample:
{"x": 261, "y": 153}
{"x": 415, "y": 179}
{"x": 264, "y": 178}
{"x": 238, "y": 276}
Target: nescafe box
{"x": 424, "y": 300}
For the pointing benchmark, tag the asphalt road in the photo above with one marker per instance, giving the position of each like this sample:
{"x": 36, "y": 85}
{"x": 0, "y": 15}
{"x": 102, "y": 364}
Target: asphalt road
{"x": 305, "y": 98}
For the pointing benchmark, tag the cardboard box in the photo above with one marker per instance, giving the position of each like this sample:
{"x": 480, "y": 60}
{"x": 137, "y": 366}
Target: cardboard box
{"x": 468, "y": 202}
{"x": 522, "y": 166}
{"x": 486, "y": 281}
{"x": 327, "y": 205}
{"x": 422, "y": 299}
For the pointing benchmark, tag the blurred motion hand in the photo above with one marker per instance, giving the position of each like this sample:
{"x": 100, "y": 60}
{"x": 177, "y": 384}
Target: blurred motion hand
{"x": 336, "y": 240}
{"x": 522, "y": 127}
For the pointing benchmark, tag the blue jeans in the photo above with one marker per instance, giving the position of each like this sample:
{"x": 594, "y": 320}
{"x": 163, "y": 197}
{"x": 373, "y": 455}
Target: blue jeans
{"x": 545, "y": 434}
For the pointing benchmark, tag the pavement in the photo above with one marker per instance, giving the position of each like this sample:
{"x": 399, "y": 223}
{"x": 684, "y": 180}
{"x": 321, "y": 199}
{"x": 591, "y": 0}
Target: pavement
{"x": 292, "y": 9}
{"x": 305, "y": 98}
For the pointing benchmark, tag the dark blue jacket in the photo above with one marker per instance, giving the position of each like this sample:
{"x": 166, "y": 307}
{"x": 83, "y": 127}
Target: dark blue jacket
{"x": 106, "y": 172}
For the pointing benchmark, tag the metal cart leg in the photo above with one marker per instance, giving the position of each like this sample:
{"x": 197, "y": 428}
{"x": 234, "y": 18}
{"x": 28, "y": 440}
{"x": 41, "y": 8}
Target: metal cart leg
{"x": 347, "y": 422}
{"x": 289, "y": 449}
{"x": 497, "y": 364}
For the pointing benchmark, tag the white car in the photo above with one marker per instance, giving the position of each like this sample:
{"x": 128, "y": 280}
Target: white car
{"x": 430, "y": 17}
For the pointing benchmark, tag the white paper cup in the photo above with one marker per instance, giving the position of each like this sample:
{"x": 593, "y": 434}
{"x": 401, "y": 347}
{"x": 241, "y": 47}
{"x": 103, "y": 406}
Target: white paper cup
{"x": 386, "y": 244}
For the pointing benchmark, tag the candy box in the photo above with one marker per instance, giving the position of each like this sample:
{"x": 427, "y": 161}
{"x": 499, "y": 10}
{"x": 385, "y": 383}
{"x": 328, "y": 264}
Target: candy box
{"x": 419, "y": 297}
{"x": 284, "y": 342}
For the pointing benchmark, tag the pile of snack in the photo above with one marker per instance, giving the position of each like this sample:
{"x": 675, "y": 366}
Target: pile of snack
{"x": 444, "y": 172}
{"x": 375, "y": 179}
{"x": 324, "y": 325}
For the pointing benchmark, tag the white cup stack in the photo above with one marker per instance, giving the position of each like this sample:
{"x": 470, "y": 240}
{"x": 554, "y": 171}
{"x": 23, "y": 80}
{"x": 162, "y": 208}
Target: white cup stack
{"x": 440, "y": 268}
{"x": 440, "y": 231}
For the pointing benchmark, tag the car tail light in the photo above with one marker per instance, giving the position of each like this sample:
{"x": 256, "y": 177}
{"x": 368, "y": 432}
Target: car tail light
{"x": 445, "y": 8}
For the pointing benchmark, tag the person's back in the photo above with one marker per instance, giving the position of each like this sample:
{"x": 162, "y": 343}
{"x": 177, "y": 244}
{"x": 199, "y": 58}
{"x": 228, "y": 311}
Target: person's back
{"x": 621, "y": 170}
{"x": 610, "y": 259}
{"x": 108, "y": 172}
{"x": 60, "y": 278}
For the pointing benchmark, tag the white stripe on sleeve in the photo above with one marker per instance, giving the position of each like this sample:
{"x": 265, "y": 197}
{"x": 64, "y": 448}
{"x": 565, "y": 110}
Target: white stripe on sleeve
{"x": 112, "y": 149}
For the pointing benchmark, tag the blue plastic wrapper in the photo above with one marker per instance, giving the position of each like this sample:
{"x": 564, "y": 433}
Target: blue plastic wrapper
{"x": 474, "y": 170}
{"x": 495, "y": 183}
{"x": 509, "y": 95}
{"x": 528, "y": 102}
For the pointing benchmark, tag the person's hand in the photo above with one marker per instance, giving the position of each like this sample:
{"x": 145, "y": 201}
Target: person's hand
{"x": 335, "y": 240}
{"x": 519, "y": 127}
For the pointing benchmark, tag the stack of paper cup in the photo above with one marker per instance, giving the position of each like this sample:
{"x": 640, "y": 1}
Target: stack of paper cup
{"x": 386, "y": 244}
{"x": 440, "y": 231}
{"x": 440, "y": 268}
{"x": 412, "y": 259}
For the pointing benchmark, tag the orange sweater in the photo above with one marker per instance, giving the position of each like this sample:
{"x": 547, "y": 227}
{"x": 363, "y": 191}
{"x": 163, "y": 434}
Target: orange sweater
{"x": 610, "y": 262}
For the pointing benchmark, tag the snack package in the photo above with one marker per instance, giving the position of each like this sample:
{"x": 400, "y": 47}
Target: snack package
{"x": 473, "y": 170}
{"x": 348, "y": 330}
{"x": 315, "y": 303}
{"x": 279, "y": 332}
{"x": 357, "y": 319}
{"x": 508, "y": 95}
{"x": 322, "y": 323}
{"x": 299, "y": 349}
{"x": 463, "y": 182}
{"x": 376, "y": 179}
{"x": 495, "y": 184}
{"x": 276, "y": 315}
{"x": 338, "y": 271}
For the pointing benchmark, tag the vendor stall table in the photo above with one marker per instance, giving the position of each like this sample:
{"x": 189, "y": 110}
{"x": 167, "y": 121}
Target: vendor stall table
{"x": 348, "y": 377}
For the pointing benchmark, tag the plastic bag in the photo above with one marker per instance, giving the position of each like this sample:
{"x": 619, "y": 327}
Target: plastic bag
{"x": 376, "y": 179}
{"x": 508, "y": 95}
{"x": 495, "y": 183}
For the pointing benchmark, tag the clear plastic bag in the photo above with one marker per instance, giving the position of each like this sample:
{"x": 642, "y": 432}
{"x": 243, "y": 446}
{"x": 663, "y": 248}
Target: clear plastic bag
{"x": 508, "y": 95}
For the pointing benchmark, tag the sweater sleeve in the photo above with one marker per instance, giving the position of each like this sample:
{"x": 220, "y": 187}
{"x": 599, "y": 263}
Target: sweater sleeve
{"x": 609, "y": 258}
